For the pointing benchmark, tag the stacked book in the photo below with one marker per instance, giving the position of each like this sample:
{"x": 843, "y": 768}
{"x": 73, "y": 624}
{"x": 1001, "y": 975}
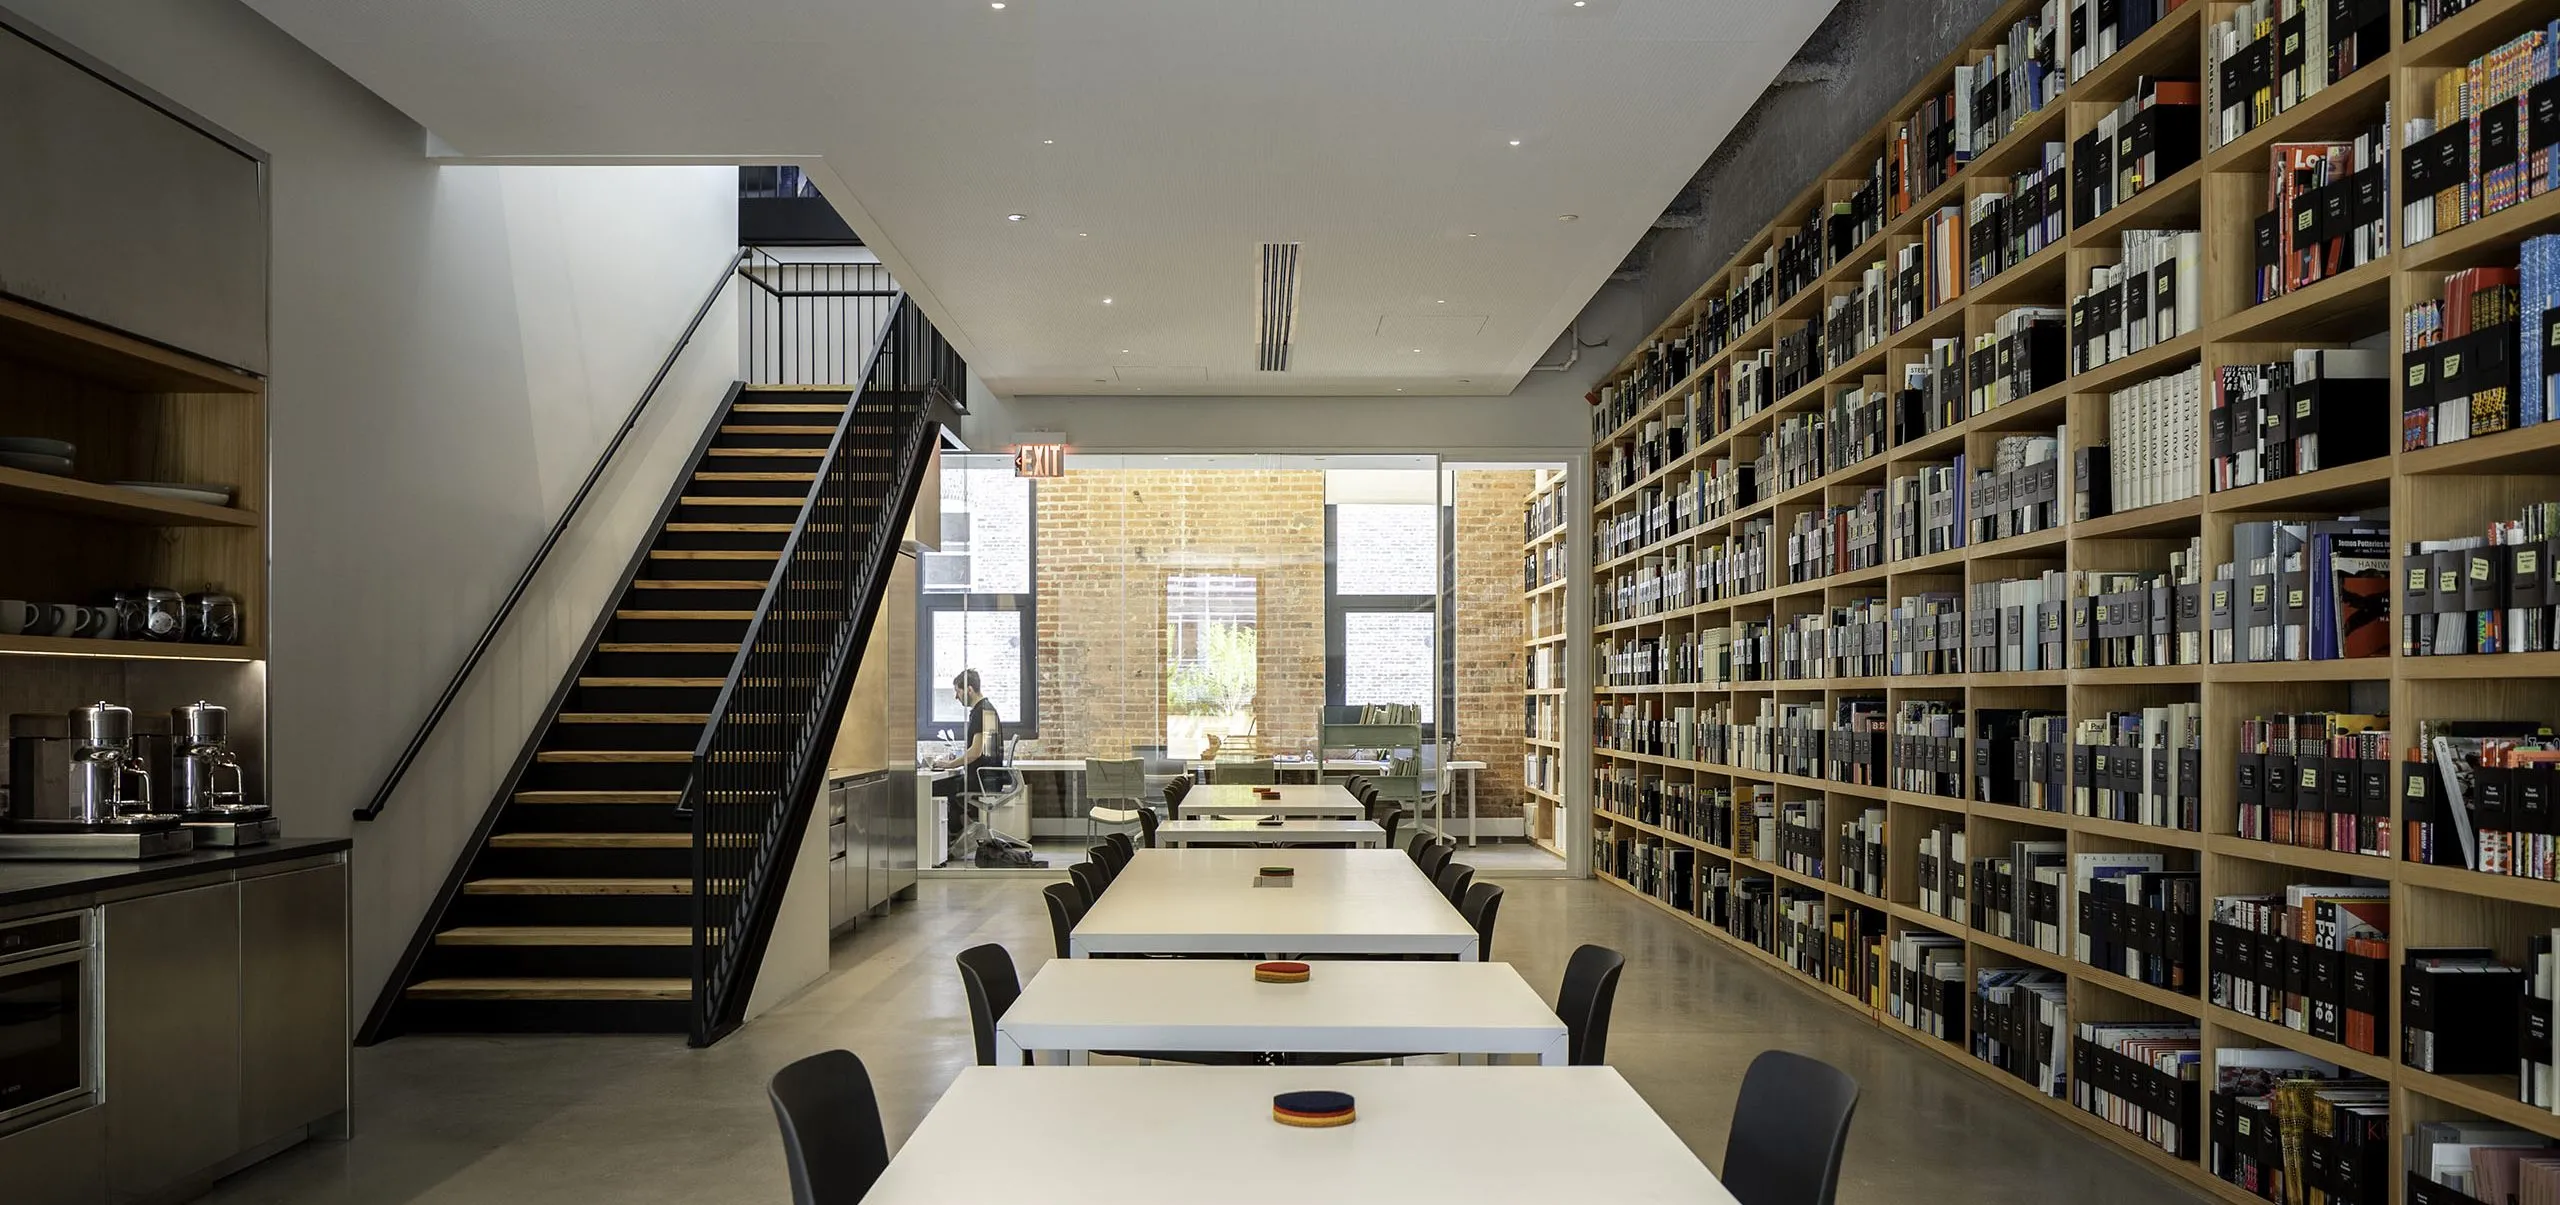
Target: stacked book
{"x": 2475, "y": 155}
{"x": 2472, "y": 360}
{"x": 2020, "y": 354}
{"x": 2139, "y": 618}
{"x": 2021, "y": 1023}
{"x": 2328, "y": 210}
{"x": 2020, "y": 492}
{"x": 2477, "y": 794}
{"x": 2314, "y": 958}
{"x": 2008, "y": 228}
{"x": 2021, "y": 76}
{"x": 2100, "y": 28}
{"x": 2317, "y": 780}
{"x": 1933, "y": 395}
{"x": 2323, "y": 408}
{"x": 2271, "y": 55}
{"x": 2154, "y": 431}
{"x": 2142, "y": 1077}
{"x": 2276, "y": 1115}
{"x": 2135, "y": 916}
{"x": 2146, "y": 139}
{"x": 1925, "y": 983}
{"x": 2468, "y": 1161}
{"x": 2483, "y": 594}
{"x": 2141, "y": 767}
{"x": 2300, "y": 590}
{"x": 2146, "y": 298}
{"x": 1925, "y": 512}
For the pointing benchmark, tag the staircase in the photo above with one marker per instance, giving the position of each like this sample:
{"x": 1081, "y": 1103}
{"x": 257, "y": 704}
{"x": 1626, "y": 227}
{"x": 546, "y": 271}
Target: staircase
{"x": 576, "y": 913}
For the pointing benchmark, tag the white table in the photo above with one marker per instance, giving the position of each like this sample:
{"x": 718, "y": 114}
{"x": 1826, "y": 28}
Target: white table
{"x": 1204, "y": 901}
{"x": 1305, "y": 800}
{"x": 1182, "y": 833}
{"x": 1468, "y": 768}
{"x": 1332, "y": 765}
{"x": 1078, "y": 1005}
{"x": 1425, "y": 1134}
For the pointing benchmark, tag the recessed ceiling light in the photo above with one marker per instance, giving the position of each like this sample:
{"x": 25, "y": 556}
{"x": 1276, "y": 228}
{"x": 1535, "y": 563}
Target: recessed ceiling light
{"x": 1106, "y": 301}
{"x": 1082, "y": 234}
{"x": 1568, "y": 217}
{"x": 1048, "y": 142}
{"x": 1580, "y": 3}
{"x": 1515, "y": 142}
{"x": 1439, "y": 301}
{"x": 1015, "y": 217}
{"x": 1471, "y": 234}
{"x": 997, "y": 4}
{"x": 1417, "y": 351}
{"x": 1124, "y": 351}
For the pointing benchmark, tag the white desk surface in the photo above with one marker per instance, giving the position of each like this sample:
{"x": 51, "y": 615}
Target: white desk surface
{"x": 1424, "y": 1134}
{"x": 1296, "y": 799}
{"x": 1287, "y": 832}
{"x": 1087, "y": 1004}
{"x": 1300, "y": 765}
{"x": 1203, "y": 901}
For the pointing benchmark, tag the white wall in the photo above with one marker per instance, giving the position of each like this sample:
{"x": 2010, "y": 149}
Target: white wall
{"x": 451, "y": 347}
{"x": 1537, "y": 422}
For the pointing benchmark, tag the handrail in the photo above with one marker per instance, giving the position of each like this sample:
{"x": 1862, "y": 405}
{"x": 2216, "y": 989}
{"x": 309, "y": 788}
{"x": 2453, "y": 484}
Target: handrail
{"x": 568, "y": 514}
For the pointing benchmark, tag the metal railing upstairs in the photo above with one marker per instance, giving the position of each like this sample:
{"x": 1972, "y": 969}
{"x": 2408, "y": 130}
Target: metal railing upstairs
{"x": 551, "y": 540}
{"x": 759, "y": 766}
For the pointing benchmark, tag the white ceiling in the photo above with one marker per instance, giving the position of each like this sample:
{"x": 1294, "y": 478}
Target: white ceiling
{"x": 1152, "y": 144}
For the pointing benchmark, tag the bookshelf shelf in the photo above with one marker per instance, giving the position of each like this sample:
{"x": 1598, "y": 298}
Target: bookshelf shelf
{"x": 2222, "y": 195}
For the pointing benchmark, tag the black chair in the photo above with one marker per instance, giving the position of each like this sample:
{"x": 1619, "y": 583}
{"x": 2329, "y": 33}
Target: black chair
{"x": 832, "y": 1138}
{"x": 1100, "y": 855}
{"x": 1418, "y": 844}
{"x": 986, "y": 972}
{"x": 1434, "y": 856}
{"x": 1789, "y": 1126}
{"x": 1113, "y": 857}
{"x": 1454, "y": 879}
{"x": 1590, "y": 986}
{"x": 1147, "y": 825}
{"x": 1394, "y": 818}
{"x": 1089, "y": 882}
{"x": 1482, "y": 902}
{"x": 1173, "y": 793}
{"x": 1126, "y": 844}
{"x": 1066, "y": 907}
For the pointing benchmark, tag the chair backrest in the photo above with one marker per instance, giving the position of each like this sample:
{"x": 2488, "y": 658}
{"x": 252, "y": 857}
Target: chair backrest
{"x": 986, "y": 973}
{"x": 1100, "y": 855}
{"x": 1418, "y": 844}
{"x": 1124, "y": 779}
{"x": 1114, "y": 853}
{"x": 1789, "y": 1126}
{"x": 1483, "y": 901}
{"x": 1590, "y": 987}
{"x": 1435, "y": 856}
{"x": 1173, "y": 793}
{"x": 832, "y": 1138}
{"x": 1454, "y": 878}
{"x": 1066, "y": 907}
{"x": 1255, "y": 772}
{"x": 1089, "y": 882}
{"x": 997, "y": 786}
{"x": 1394, "y": 818}
{"x": 1147, "y": 823}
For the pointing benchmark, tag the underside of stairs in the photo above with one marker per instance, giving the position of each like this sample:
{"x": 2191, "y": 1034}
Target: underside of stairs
{"x": 575, "y": 912}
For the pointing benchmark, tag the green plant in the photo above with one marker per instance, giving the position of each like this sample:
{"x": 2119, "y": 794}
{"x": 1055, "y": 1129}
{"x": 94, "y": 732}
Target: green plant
{"x": 1221, "y": 681}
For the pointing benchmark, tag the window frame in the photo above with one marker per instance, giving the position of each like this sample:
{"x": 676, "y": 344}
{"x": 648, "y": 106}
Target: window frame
{"x": 1338, "y": 607}
{"x": 930, "y": 685}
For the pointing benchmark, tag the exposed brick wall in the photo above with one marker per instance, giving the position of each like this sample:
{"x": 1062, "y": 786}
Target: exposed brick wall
{"x": 1490, "y": 630}
{"x": 1110, "y": 538}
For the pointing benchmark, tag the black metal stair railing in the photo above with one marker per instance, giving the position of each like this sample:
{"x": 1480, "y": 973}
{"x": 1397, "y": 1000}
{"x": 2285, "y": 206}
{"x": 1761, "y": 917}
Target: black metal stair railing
{"x": 762, "y": 757}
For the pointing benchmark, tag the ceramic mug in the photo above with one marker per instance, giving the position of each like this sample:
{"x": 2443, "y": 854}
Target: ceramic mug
{"x": 19, "y": 618}
{"x": 65, "y": 619}
{"x": 103, "y": 624}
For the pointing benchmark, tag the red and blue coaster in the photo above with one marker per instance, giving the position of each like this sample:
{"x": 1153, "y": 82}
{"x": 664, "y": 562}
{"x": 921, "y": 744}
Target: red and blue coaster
{"x": 1313, "y": 1110}
{"x": 1281, "y": 972}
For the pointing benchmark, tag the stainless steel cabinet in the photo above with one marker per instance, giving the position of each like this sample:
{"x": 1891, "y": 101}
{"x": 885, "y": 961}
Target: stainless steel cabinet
{"x": 898, "y": 800}
{"x": 293, "y": 994}
{"x": 62, "y": 1162}
{"x": 172, "y": 1029}
{"x": 838, "y": 909}
{"x": 871, "y": 854}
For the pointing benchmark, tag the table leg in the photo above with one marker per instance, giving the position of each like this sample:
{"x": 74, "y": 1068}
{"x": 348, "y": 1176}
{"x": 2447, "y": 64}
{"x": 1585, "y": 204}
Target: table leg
{"x": 1471, "y": 807}
{"x": 1558, "y": 1053}
{"x": 1078, "y": 1058}
{"x": 1009, "y": 1053}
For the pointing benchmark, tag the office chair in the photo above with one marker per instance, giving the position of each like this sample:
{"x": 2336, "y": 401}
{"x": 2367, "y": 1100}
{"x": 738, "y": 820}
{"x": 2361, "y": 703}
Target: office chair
{"x": 1434, "y": 856}
{"x": 1173, "y": 793}
{"x": 993, "y": 789}
{"x": 1454, "y": 879}
{"x": 1112, "y": 855}
{"x": 1147, "y": 825}
{"x": 1100, "y": 856}
{"x": 1790, "y": 1124}
{"x": 1066, "y": 907}
{"x": 1089, "y": 882}
{"x": 987, "y": 974}
{"x": 1590, "y": 987}
{"x": 1113, "y": 782}
{"x": 1394, "y": 818}
{"x": 1483, "y": 901}
{"x": 832, "y": 1139}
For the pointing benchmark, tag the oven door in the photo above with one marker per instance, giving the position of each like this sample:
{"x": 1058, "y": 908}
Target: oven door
{"x": 46, "y": 1055}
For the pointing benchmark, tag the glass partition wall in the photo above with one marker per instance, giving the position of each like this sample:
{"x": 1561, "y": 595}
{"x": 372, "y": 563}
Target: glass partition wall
{"x": 1226, "y": 618}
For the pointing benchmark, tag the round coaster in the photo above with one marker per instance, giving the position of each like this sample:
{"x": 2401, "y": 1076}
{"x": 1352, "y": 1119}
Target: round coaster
{"x": 1313, "y": 1110}
{"x": 1282, "y": 972}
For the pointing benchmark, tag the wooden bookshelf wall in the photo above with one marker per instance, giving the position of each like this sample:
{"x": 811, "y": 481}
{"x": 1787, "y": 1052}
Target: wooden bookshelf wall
{"x": 1545, "y": 717}
{"x": 2435, "y": 493}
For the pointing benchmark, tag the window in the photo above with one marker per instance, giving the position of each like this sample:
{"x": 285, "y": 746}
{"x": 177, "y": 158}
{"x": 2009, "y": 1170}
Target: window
{"x": 1382, "y": 581}
{"x": 975, "y": 608}
{"x": 1386, "y": 658}
{"x": 1385, "y": 549}
{"x": 1212, "y": 657}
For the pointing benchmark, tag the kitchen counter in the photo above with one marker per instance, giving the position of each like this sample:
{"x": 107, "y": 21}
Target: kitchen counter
{"x": 38, "y": 882}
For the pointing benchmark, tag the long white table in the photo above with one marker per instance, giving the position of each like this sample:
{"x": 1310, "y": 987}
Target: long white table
{"x": 1184, "y": 833}
{"x": 1079, "y": 1005}
{"x": 1421, "y": 1136}
{"x": 1204, "y": 901}
{"x": 1309, "y": 800}
{"x": 1285, "y": 766}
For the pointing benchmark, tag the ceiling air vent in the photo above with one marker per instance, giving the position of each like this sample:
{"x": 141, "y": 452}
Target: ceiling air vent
{"x": 1279, "y": 304}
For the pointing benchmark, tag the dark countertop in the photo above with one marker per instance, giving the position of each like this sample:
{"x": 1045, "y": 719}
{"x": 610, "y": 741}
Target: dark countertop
{"x": 32, "y": 882}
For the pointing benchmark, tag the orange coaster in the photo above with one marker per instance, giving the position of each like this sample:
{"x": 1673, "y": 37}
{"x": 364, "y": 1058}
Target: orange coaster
{"x": 1281, "y": 972}
{"x": 1314, "y": 1123}
{"x": 1313, "y": 1110}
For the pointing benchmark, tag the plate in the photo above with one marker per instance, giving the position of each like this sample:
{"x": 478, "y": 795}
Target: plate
{"x": 32, "y": 446}
{"x": 210, "y": 495}
{"x": 59, "y": 466}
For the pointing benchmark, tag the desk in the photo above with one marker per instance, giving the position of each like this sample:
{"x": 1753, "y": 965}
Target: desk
{"x": 1306, "y": 801}
{"x": 1085, "y": 1004}
{"x": 1203, "y": 901}
{"x": 1182, "y": 833}
{"x": 1425, "y": 1134}
{"x": 1468, "y": 768}
{"x": 1286, "y": 766}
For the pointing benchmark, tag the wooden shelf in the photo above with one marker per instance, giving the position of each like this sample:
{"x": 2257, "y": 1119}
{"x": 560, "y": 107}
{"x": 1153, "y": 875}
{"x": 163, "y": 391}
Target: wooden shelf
{"x": 41, "y": 336}
{"x": 2294, "y": 1039}
{"x": 128, "y": 650}
{"x": 70, "y": 496}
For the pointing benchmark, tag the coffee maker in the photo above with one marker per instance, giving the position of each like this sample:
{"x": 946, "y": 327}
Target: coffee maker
{"x": 200, "y": 763}
{"x": 80, "y": 787}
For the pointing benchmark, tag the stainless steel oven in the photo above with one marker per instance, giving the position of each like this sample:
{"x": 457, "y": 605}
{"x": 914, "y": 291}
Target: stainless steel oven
{"x": 48, "y": 1014}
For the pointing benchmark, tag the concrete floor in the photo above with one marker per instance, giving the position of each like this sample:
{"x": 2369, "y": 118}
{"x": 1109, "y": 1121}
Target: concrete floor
{"x": 537, "y": 1121}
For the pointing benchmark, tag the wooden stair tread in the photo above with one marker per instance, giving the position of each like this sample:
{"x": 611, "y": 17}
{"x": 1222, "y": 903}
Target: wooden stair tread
{"x": 566, "y": 935}
{"x": 552, "y": 989}
{"x": 666, "y": 682}
{"x": 633, "y": 717}
{"x": 615, "y": 756}
{"x": 753, "y": 528}
{"x": 746, "y": 476}
{"x": 639, "y": 798}
{"x": 776, "y": 429}
{"x": 713, "y": 554}
{"x": 735, "y": 500}
{"x": 591, "y": 841}
{"x": 644, "y": 583}
{"x": 677, "y": 646}
{"x": 786, "y": 408}
{"x": 559, "y": 886}
{"x": 768, "y": 453}
{"x": 685, "y": 615}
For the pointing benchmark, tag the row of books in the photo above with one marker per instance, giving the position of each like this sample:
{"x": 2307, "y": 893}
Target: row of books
{"x": 2303, "y": 591}
{"x": 2477, "y": 794}
{"x": 2154, "y": 429}
{"x": 2313, "y": 958}
{"x": 2328, "y": 210}
{"x": 2316, "y": 779}
{"x": 2021, "y": 75}
{"x": 2100, "y": 28}
{"x": 2270, "y": 55}
{"x": 2147, "y": 297}
{"x": 2009, "y": 228}
{"x": 2493, "y": 593}
{"x": 2474, "y": 359}
{"x": 2142, "y": 1076}
{"x": 2320, "y": 409}
{"x": 2294, "y": 1129}
{"x": 2478, "y": 1162}
{"x": 2020, "y": 354}
{"x": 2143, "y": 140}
{"x": 2475, "y": 154}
